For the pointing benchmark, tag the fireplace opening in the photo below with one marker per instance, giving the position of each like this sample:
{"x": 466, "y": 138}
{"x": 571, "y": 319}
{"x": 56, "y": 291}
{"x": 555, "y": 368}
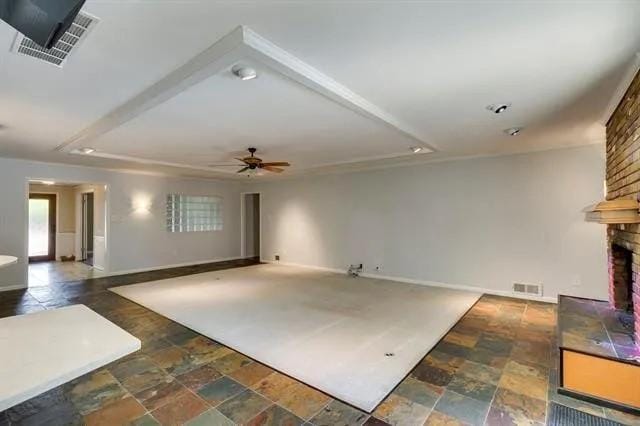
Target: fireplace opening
{"x": 621, "y": 277}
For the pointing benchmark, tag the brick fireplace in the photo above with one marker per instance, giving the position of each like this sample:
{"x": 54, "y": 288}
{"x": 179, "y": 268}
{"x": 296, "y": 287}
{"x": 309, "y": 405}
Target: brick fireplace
{"x": 623, "y": 182}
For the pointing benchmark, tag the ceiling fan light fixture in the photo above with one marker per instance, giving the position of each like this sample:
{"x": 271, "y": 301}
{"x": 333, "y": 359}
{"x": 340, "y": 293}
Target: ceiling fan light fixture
{"x": 244, "y": 73}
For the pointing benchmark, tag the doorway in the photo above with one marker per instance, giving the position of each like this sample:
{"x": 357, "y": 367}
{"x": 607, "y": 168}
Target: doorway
{"x": 87, "y": 228}
{"x": 42, "y": 227}
{"x": 251, "y": 226}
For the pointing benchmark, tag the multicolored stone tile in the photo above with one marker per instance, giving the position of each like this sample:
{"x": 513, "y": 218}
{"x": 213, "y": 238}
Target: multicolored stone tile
{"x": 244, "y": 406}
{"x": 397, "y": 410}
{"x": 338, "y": 413}
{"x": 52, "y": 407}
{"x": 90, "y": 392}
{"x": 120, "y": 412}
{"x": 472, "y": 388}
{"x": 520, "y": 407}
{"x": 251, "y": 374}
{"x": 174, "y": 360}
{"x": 138, "y": 373}
{"x": 204, "y": 350}
{"x": 199, "y": 377}
{"x": 437, "y": 418}
{"x": 496, "y": 344}
{"x": 146, "y": 420}
{"x": 452, "y": 349}
{"x": 443, "y": 361}
{"x": 159, "y": 395}
{"x": 480, "y": 372}
{"x": 303, "y": 401}
{"x": 462, "y": 339}
{"x": 532, "y": 386}
{"x": 275, "y": 386}
{"x": 231, "y": 362}
{"x": 219, "y": 391}
{"x": 415, "y": 390}
{"x": 373, "y": 421}
{"x": 497, "y": 334}
{"x": 465, "y": 409}
{"x": 180, "y": 410}
{"x": 278, "y": 416}
{"x": 210, "y": 418}
{"x": 433, "y": 375}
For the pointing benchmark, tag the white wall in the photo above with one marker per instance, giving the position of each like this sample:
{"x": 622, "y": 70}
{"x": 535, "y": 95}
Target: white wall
{"x": 135, "y": 239}
{"x": 484, "y": 222}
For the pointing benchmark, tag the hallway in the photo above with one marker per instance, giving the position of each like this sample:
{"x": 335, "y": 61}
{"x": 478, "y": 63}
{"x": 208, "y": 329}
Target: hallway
{"x": 47, "y": 273}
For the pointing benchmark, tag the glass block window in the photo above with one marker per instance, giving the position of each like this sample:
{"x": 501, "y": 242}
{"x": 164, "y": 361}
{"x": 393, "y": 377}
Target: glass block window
{"x": 191, "y": 213}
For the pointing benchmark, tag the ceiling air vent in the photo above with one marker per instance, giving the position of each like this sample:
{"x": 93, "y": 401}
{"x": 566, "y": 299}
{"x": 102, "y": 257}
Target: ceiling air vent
{"x": 68, "y": 43}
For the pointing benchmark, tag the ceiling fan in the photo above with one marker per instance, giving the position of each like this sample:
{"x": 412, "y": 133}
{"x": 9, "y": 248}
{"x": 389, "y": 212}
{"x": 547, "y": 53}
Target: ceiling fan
{"x": 252, "y": 163}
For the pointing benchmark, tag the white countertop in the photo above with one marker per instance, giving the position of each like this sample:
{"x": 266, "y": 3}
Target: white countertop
{"x": 7, "y": 260}
{"x": 42, "y": 350}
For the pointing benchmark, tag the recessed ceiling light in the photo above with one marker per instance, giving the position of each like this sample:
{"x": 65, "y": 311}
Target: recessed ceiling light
{"x": 244, "y": 73}
{"x": 514, "y": 131}
{"x": 498, "y": 108}
{"x": 87, "y": 150}
{"x": 416, "y": 149}
{"x": 47, "y": 182}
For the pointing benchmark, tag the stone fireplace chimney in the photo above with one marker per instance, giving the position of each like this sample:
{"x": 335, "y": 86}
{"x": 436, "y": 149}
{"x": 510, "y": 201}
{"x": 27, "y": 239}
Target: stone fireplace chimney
{"x": 623, "y": 183}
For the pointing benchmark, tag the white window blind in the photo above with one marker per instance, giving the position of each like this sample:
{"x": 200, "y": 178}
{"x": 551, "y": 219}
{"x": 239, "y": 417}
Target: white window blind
{"x": 191, "y": 213}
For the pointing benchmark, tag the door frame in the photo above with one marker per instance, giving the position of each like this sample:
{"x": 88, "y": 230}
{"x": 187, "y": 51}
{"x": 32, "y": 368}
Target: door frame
{"x": 243, "y": 252}
{"x": 53, "y": 216}
{"x": 85, "y": 238}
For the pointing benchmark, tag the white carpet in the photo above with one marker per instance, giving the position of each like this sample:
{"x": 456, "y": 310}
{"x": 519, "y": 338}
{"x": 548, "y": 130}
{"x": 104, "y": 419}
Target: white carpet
{"x": 324, "y": 329}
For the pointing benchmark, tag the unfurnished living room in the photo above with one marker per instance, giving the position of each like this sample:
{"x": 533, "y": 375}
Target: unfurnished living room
{"x": 319, "y": 212}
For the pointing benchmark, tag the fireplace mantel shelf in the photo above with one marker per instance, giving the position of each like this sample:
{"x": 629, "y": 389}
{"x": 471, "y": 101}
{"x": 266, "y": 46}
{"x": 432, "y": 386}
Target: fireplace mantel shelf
{"x": 620, "y": 211}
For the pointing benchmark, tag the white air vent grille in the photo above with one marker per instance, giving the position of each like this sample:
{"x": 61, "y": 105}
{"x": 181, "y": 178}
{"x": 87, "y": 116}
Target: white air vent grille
{"x": 530, "y": 289}
{"x": 59, "y": 53}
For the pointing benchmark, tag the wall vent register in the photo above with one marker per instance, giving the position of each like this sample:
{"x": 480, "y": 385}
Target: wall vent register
{"x": 191, "y": 213}
{"x": 533, "y": 289}
{"x": 59, "y": 53}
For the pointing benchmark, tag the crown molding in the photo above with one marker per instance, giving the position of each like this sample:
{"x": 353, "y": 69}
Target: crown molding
{"x": 240, "y": 44}
{"x": 622, "y": 88}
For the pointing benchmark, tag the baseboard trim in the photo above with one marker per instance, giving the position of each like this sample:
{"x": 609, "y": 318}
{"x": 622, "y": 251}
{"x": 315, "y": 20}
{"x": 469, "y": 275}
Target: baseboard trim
{"x": 176, "y": 265}
{"x": 13, "y": 287}
{"x": 424, "y": 282}
{"x": 300, "y": 265}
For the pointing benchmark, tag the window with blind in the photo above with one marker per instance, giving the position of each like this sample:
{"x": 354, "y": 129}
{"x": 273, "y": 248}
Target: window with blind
{"x": 191, "y": 213}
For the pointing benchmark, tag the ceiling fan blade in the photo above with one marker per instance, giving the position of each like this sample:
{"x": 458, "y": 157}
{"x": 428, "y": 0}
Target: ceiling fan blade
{"x": 272, "y": 169}
{"x": 242, "y": 170}
{"x": 225, "y": 165}
{"x": 277, "y": 163}
{"x": 241, "y": 159}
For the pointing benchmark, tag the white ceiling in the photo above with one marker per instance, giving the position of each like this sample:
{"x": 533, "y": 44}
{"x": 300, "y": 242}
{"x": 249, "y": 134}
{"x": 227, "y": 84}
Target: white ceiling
{"x": 423, "y": 71}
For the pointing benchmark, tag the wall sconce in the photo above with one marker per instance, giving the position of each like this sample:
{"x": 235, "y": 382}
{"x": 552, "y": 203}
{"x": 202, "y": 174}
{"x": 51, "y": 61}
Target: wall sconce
{"x": 141, "y": 205}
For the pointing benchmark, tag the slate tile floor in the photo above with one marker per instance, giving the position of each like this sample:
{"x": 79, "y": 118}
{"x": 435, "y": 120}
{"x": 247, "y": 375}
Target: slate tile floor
{"x": 495, "y": 367}
{"x": 45, "y": 273}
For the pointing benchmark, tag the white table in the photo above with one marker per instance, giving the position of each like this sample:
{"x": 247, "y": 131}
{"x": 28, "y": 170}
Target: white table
{"x": 7, "y": 260}
{"x": 42, "y": 350}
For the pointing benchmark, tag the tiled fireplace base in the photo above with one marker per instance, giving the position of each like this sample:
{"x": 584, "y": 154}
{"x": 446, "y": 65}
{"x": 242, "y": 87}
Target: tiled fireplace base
{"x": 599, "y": 359}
